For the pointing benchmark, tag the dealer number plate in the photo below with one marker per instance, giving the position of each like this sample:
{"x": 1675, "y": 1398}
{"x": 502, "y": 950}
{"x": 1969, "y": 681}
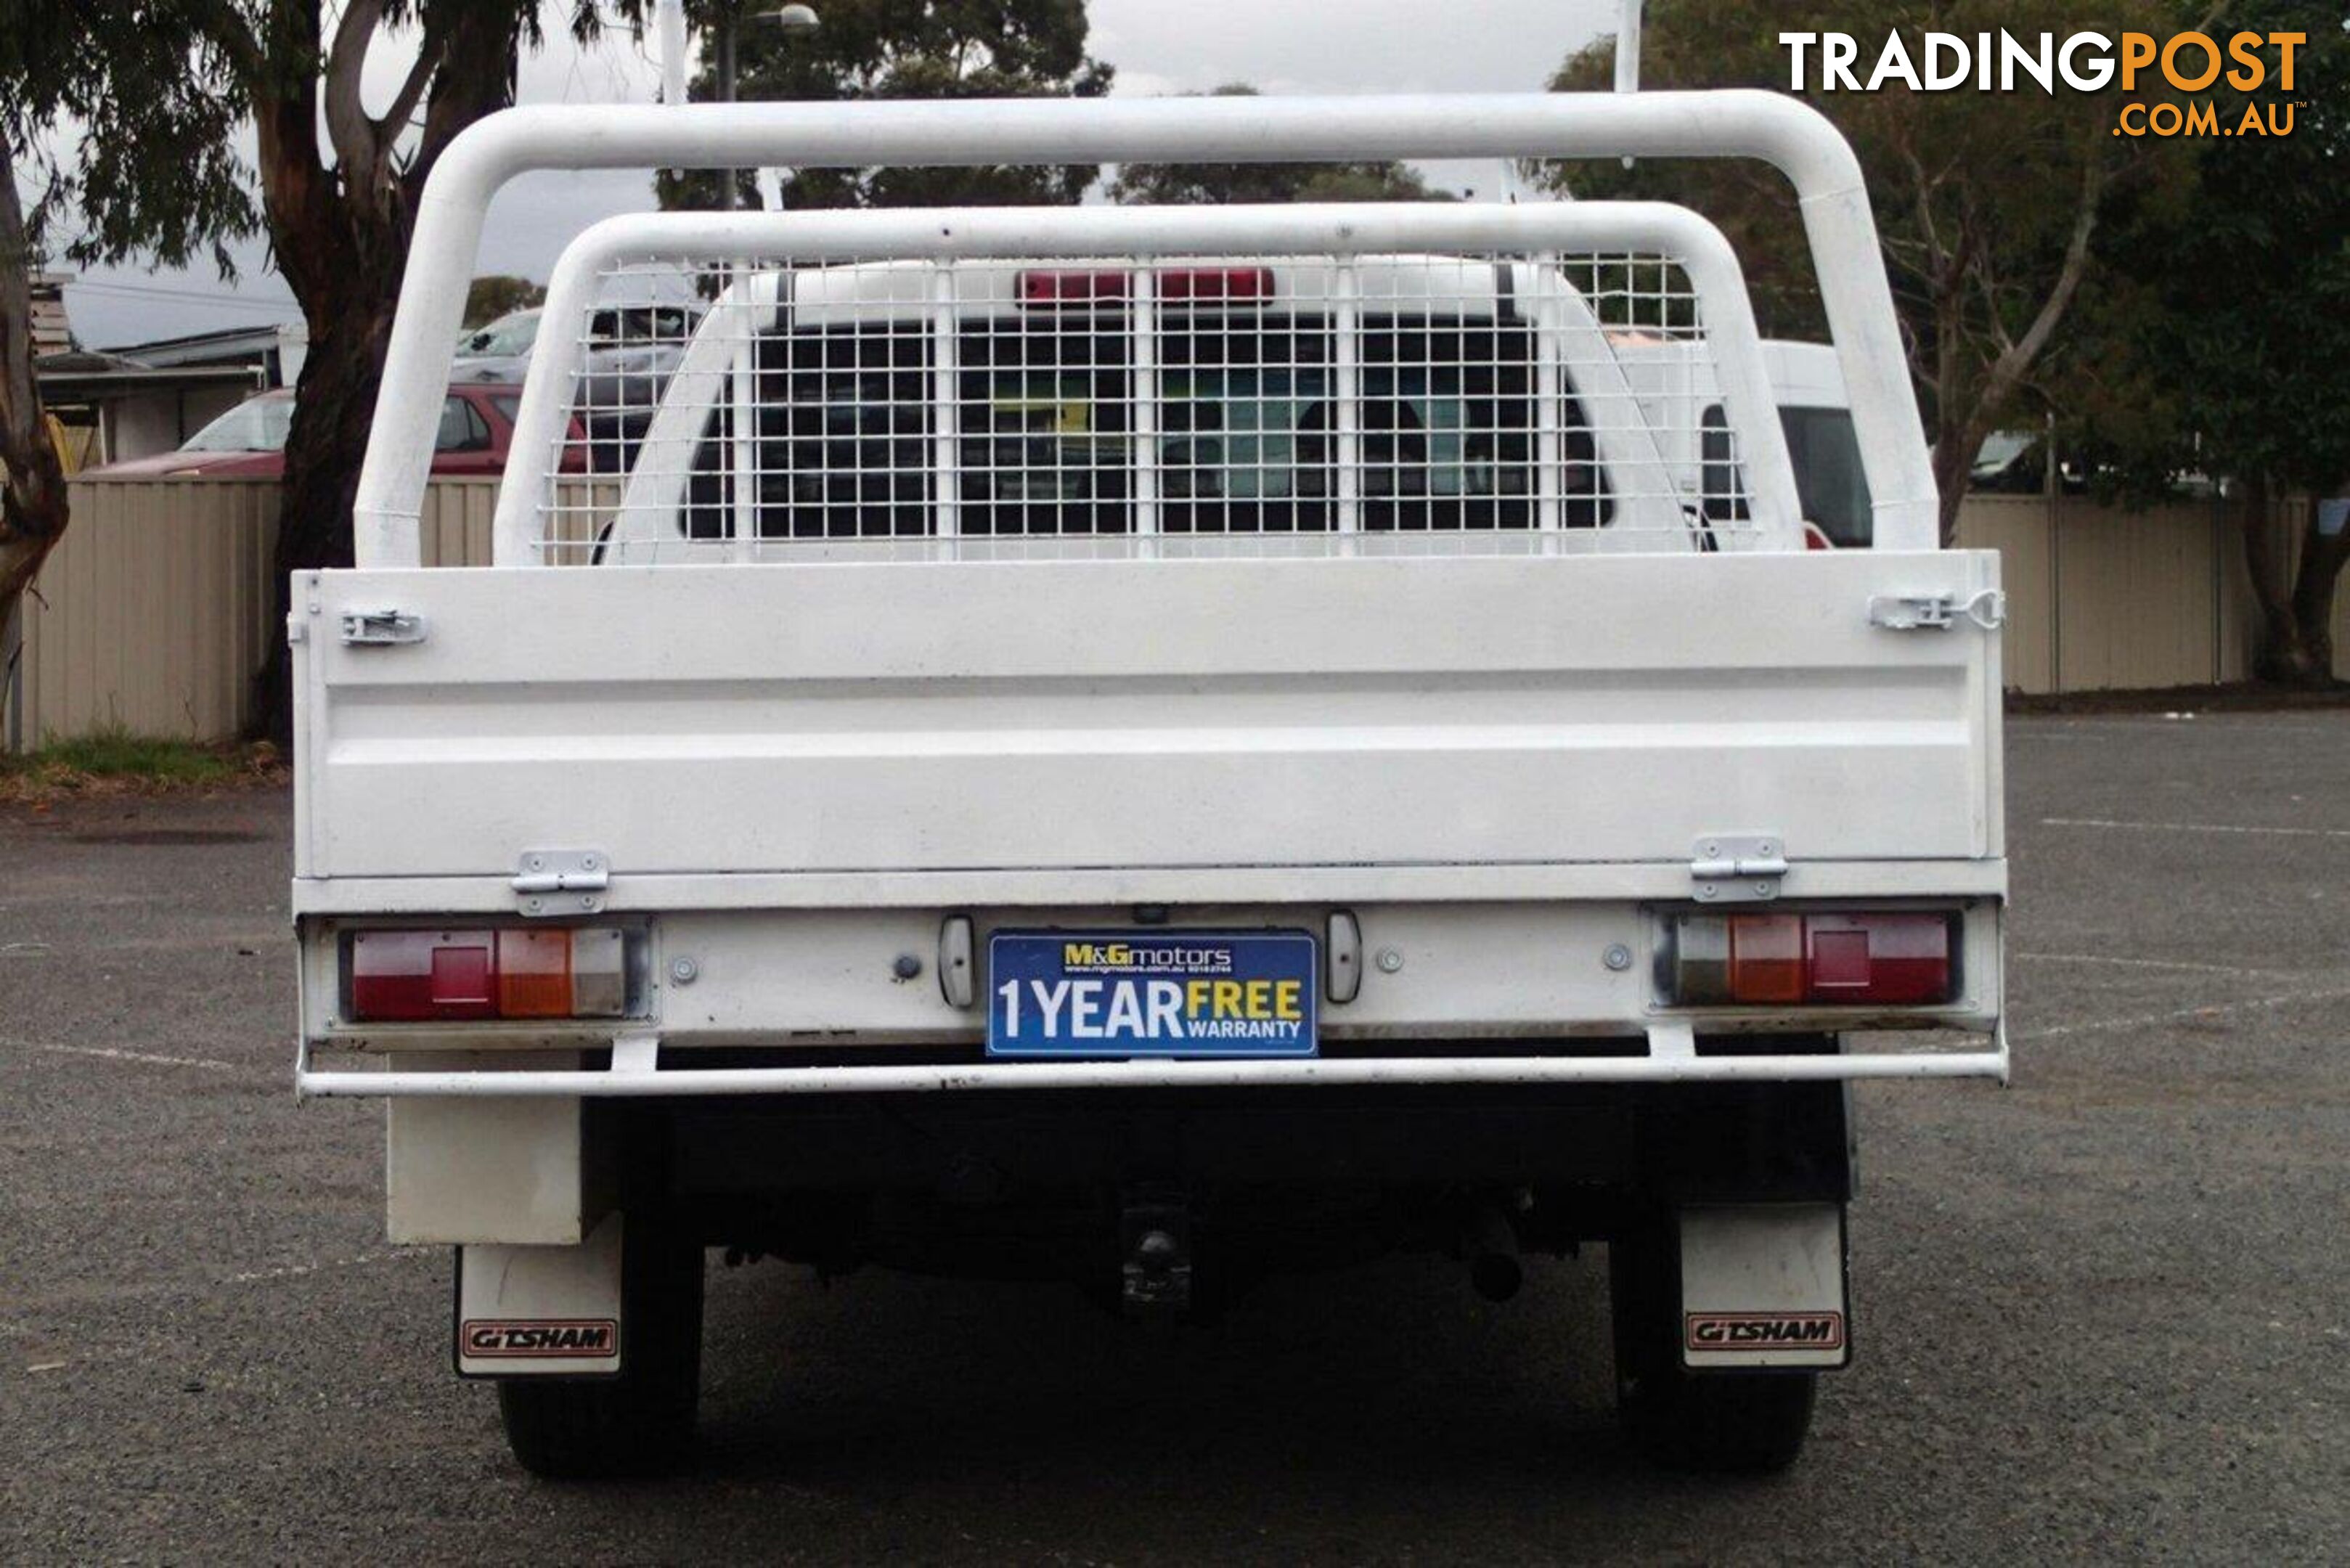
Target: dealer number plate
{"x": 1152, "y": 994}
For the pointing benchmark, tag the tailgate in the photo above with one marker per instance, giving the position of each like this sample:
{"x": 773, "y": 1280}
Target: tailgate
{"x": 1030, "y": 716}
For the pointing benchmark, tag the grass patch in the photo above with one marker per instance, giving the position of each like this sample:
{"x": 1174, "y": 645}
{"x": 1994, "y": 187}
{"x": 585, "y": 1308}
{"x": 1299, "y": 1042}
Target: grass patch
{"x": 116, "y": 762}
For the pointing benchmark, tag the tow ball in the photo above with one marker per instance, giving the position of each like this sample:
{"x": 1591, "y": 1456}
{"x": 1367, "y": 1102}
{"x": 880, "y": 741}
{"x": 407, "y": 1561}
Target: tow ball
{"x": 1157, "y": 1273}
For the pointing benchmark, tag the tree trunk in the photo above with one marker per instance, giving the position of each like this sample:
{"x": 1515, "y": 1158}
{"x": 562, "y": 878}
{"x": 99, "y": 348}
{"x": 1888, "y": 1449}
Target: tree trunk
{"x": 334, "y": 406}
{"x": 1954, "y": 465}
{"x": 340, "y": 231}
{"x": 2296, "y": 640}
{"x": 33, "y": 486}
{"x": 2314, "y": 583}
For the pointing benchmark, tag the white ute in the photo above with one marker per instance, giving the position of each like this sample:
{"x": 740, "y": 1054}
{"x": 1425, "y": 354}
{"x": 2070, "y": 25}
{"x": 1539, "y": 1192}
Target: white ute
{"x": 1151, "y": 747}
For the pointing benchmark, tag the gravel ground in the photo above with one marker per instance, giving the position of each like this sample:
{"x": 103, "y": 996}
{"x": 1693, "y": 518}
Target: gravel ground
{"x": 2105, "y": 1311}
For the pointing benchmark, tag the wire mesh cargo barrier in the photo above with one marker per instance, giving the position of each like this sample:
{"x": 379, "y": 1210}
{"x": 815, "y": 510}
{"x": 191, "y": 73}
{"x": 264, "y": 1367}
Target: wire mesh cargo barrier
{"x": 1489, "y": 398}
{"x": 833, "y": 397}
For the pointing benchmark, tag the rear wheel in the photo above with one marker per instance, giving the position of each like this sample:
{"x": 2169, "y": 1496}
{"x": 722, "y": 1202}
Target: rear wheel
{"x": 642, "y": 1420}
{"x": 1750, "y": 1422}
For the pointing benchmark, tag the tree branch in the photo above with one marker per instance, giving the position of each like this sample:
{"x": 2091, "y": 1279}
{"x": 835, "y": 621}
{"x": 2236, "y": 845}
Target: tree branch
{"x": 1987, "y": 284}
{"x": 478, "y": 55}
{"x": 1922, "y": 193}
{"x": 411, "y": 91}
{"x": 2011, "y": 364}
{"x": 350, "y": 130}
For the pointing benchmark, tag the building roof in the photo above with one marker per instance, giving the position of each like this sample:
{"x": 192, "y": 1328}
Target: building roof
{"x": 83, "y": 375}
{"x": 228, "y": 345}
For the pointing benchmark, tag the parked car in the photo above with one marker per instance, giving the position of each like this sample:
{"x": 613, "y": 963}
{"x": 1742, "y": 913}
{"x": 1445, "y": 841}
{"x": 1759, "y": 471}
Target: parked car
{"x": 631, "y": 351}
{"x": 249, "y": 440}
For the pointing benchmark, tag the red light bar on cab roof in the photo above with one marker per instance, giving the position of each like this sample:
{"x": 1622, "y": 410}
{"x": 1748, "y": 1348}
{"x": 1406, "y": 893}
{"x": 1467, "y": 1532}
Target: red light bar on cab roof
{"x": 1221, "y": 285}
{"x": 1175, "y": 285}
{"x": 1075, "y": 287}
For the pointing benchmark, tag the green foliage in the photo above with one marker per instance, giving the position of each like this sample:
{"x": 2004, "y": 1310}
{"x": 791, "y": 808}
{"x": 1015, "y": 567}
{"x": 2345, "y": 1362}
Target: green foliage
{"x": 125, "y": 114}
{"x": 493, "y": 295}
{"x": 116, "y": 754}
{"x": 2228, "y": 347}
{"x": 1195, "y": 184}
{"x": 150, "y": 169}
{"x": 1989, "y": 204}
{"x": 890, "y": 49}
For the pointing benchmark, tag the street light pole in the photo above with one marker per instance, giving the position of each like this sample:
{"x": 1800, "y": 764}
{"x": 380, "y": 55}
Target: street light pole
{"x": 792, "y": 19}
{"x": 723, "y": 46}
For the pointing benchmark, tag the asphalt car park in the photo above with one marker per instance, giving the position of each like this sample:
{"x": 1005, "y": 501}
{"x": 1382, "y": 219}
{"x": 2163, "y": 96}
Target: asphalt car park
{"x": 2106, "y": 1310}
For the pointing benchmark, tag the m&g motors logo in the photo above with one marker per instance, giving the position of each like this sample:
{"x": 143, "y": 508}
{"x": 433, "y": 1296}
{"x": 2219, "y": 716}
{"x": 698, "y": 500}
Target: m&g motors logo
{"x": 2188, "y": 63}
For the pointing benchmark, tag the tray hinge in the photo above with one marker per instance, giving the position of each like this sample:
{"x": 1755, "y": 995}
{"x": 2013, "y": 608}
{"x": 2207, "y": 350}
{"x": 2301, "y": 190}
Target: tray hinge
{"x": 562, "y": 881}
{"x": 1739, "y": 867}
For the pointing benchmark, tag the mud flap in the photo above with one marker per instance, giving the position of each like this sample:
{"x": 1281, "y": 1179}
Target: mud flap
{"x": 538, "y": 1312}
{"x": 1763, "y": 1285}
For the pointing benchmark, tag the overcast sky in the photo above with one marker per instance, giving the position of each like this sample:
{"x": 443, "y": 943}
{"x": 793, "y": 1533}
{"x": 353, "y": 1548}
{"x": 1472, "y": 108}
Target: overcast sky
{"x": 1302, "y": 47}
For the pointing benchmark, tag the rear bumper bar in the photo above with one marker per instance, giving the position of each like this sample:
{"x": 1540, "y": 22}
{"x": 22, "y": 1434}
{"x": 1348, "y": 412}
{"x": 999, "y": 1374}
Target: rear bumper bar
{"x": 636, "y": 1073}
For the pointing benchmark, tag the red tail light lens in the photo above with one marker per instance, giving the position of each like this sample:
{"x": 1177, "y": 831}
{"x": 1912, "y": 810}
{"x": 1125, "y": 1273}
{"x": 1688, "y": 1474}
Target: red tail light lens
{"x": 427, "y": 976}
{"x": 1879, "y": 959}
{"x": 1839, "y": 959}
{"x": 397, "y": 976}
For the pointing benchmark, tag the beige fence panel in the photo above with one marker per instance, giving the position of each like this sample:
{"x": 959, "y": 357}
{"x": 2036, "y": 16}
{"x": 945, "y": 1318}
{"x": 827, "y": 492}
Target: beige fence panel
{"x": 452, "y": 524}
{"x": 2018, "y": 527}
{"x": 2100, "y": 598}
{"x": 2139, "y": 596}
{"x": 153, "y": 612}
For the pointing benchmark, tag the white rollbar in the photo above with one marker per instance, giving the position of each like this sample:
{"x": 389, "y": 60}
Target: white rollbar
{"x": 1794, "y": 137}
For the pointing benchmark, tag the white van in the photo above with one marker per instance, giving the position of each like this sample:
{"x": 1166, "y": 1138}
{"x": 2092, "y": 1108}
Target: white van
{"x": 1807, "y": 386}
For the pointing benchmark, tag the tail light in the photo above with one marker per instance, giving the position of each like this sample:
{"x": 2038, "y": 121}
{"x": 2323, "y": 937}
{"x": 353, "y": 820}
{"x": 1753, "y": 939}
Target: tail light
{"x": 419, "y": 976}
{"x": 1827, "y": 958}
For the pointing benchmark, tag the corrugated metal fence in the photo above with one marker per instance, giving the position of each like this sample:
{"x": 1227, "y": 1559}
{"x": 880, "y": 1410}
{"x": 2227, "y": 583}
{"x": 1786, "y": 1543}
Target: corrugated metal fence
{"x": 153, "y": 612}
{"x": 2100, "y": 599}
{"x": 150, "y": 614}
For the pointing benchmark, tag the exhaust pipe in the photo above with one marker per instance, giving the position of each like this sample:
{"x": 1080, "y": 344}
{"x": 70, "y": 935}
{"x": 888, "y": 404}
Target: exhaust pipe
{"x": 1491, "y": 1245}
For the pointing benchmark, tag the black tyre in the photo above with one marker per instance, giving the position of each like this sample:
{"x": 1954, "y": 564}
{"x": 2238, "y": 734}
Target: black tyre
{"x": 1739, "y": 1422}
{"x": 641, "y": 1421}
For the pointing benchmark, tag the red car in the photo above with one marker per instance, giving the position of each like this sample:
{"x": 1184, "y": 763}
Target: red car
{"x": 249, "y": 440}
